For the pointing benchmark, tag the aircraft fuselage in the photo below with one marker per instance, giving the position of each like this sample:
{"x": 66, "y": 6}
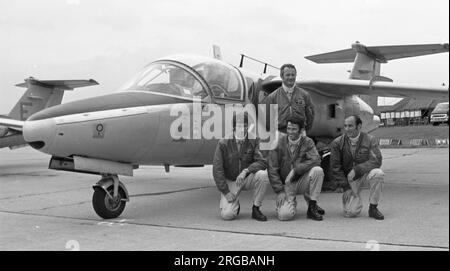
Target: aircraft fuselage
{"x": 140, "y": 134}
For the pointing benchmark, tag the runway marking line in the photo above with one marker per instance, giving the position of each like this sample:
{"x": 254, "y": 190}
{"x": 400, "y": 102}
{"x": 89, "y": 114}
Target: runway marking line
{"x": 238, "y": 232}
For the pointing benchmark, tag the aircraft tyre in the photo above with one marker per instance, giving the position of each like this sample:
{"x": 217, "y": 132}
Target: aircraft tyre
{"x": 105, "y": 206}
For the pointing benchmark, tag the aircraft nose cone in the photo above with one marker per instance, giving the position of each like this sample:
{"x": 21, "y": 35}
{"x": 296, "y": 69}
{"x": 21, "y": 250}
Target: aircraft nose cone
{"x": 39, "y": 133}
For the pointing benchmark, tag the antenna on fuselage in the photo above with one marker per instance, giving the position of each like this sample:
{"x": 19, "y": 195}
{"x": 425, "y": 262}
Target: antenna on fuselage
{"x": 241, "y": 63}
{"x": 216, "y": 52}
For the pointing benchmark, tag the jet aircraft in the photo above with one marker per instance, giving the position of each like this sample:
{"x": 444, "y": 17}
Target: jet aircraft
{"x": 113, "y": 134}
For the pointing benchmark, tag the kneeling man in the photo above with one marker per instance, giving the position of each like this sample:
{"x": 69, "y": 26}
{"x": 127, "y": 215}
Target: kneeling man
{"x": 294, "y": 168}
{"x": 355, "y": 163}
{"x": 238, "y": 165}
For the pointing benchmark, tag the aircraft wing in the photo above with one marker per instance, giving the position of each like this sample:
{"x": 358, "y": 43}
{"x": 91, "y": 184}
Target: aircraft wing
{"x": 339, "y": 88}
{"x": 11, "y": 124}
{"x": 60, "y": 84}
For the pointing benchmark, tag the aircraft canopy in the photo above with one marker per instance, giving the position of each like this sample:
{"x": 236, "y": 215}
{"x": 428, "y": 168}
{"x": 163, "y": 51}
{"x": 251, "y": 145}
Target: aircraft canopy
{"x": 184, "y": 75}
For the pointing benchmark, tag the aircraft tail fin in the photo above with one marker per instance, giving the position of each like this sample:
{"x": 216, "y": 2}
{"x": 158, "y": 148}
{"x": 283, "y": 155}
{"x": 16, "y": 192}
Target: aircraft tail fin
{"x": 41, "y": 94}
{"x": 368, "y": 59}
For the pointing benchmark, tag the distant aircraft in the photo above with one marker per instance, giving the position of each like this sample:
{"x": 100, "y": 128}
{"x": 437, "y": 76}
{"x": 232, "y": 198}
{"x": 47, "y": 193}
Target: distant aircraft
{"x": 113, "y": 134}
{"x": 39, "y": 95}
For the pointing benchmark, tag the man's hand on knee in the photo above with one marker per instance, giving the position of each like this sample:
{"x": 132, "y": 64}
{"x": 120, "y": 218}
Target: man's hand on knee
{"x": 351, "y": 175}
{"x": 281, "y": 198}
{"x": 241, "y": 178}
{"x": 230, "y": 197}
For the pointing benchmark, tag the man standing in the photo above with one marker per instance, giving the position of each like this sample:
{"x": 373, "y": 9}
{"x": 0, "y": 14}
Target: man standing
{"x": 355, "y": 162}
{"x": 238, "y": 166}
{"x": 294, "y": 168}
{"x": 291, "y": 100}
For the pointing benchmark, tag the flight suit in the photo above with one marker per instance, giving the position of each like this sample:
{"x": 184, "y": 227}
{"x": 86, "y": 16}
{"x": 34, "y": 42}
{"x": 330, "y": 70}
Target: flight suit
{"x": 299, "y": 105}
{"x": 366, "y": 163}
{"x": 229, "y": 161}
{"x": 308, "y": 175}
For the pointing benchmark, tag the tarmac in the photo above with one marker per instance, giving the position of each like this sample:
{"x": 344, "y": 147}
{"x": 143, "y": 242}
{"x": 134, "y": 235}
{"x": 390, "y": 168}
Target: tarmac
{"x": 42, "y": 209}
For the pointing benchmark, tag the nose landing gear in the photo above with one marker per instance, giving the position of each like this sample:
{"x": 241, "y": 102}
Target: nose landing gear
{"x": 110, "y": 197}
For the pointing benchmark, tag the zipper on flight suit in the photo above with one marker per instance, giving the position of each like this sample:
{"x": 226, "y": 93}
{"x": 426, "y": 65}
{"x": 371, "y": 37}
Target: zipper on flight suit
{"x": 290, "y": 104}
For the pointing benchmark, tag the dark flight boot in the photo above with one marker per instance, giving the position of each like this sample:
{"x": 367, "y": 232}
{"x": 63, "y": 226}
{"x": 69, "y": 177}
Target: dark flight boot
{"x": 313, "y": 212}
{"x": 256, "y": 214}
{"x": 375, "y": 213}
{"x": 320, "y": 210}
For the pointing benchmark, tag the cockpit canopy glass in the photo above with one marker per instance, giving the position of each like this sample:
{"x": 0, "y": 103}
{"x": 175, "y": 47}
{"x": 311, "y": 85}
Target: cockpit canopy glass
{"x": 169, "y": 77}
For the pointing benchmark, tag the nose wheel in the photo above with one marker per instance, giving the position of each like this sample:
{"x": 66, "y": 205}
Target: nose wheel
{"x": 109, "y": 198}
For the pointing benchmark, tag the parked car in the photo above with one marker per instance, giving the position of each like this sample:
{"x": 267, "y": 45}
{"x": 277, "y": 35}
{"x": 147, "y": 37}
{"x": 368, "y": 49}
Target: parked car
{"x": 440, "y": 114}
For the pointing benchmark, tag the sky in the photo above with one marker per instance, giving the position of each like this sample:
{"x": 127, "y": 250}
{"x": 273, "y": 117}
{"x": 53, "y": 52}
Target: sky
{"x": 110, "y": 40}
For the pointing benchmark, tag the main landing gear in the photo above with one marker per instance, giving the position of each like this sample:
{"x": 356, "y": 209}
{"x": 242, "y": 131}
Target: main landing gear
{"x": 110, "y": 196}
